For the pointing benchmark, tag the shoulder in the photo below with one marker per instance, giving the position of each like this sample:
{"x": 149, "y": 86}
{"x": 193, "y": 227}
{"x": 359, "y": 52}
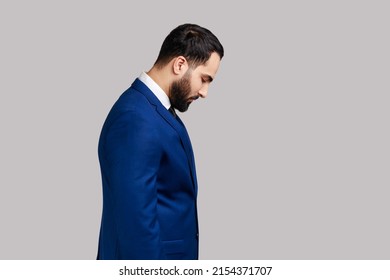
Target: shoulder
{"x": 130, "y": 106}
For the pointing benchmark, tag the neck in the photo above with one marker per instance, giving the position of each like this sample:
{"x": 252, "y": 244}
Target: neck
{"x": 161, "y": 77}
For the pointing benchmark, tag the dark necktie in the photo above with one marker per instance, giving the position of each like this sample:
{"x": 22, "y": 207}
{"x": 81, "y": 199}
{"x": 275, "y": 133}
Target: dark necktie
{"x": 172, "y": 110}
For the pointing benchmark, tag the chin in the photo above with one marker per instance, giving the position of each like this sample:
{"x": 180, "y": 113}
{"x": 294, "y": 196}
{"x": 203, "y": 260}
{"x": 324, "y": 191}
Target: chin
{"x": 183, "y": 108}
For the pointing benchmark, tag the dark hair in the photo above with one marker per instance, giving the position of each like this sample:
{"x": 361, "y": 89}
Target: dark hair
{"x": 193, "y": 42}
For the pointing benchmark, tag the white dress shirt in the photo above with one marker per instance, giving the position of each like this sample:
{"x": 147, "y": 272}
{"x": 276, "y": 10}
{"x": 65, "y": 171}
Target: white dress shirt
{"x": 156, "y": 89}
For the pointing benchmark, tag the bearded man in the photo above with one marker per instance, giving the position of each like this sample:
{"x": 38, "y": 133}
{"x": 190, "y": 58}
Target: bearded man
{"x": 145, "y": 154}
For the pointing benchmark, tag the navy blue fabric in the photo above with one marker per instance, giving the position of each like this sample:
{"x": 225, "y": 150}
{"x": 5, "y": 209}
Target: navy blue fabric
{"x": 149, "y": 181}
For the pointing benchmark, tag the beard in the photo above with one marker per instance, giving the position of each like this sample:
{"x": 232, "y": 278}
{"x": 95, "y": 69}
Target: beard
{"x": 180, "y": 92}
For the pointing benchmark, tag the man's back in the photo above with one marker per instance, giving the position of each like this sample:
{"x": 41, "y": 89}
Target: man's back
{"x": 149, "y": 204}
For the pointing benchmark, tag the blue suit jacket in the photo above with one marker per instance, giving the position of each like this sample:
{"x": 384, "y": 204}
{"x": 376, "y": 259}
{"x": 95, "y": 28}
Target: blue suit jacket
{"x": 149, "y": 181}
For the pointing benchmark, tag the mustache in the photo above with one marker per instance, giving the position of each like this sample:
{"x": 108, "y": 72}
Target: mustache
{"x": 194, "y": 97}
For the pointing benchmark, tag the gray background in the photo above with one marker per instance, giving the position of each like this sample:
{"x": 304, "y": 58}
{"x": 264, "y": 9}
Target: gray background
{"x": 291, "y": 145}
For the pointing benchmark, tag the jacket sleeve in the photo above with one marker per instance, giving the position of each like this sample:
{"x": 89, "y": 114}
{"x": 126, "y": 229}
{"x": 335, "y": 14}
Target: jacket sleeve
{"x": 132, "y": 153}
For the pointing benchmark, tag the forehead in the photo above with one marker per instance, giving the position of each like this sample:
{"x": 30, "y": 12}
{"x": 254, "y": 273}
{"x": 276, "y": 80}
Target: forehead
{"x": 210, "y": 67}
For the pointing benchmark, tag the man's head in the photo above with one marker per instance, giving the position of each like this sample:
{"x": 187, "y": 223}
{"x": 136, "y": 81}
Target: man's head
{"x": 188, "y": 62}
{"x": 191, "y": 41}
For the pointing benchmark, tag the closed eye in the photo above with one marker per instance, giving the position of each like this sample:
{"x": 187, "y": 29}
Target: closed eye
{"x": 207, "y": 79}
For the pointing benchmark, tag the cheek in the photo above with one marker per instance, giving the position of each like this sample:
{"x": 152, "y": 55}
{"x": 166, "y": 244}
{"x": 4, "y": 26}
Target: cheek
{"x": 196, "y": 86}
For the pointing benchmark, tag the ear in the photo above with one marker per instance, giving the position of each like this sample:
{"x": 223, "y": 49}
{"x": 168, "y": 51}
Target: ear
{"x": 180, "y": 65}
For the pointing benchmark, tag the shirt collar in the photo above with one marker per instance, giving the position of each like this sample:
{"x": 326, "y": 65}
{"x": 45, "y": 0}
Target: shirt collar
{"x": 156, "y": 89}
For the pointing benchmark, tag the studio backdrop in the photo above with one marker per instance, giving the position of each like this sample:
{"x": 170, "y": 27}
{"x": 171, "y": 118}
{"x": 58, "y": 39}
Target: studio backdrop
{"x": 291, "y": 144}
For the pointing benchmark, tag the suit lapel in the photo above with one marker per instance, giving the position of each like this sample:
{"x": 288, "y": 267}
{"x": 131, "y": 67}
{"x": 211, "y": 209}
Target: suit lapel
{"x": 176, "y": 123}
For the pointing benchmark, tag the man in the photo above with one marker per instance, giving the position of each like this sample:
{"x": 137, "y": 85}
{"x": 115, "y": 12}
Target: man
{"x": 146, "y": 158}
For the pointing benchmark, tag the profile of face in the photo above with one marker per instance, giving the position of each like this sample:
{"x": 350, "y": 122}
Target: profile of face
{"x": 193, "y": 84}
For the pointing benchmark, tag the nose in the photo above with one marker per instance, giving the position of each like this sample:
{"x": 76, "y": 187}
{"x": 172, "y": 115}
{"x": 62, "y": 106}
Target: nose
{"x": 203, "y": 91}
